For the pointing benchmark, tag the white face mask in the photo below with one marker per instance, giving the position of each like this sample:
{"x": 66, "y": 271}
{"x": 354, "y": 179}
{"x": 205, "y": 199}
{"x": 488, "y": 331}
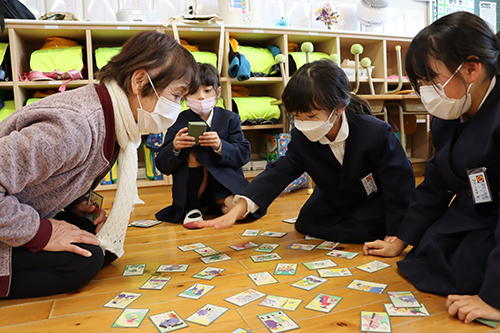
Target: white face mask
{"x": 315, "y": 130}
{"x": 438, "y": 104}
{"x": 201, "y": 107}
{"x": 163, "y": 116}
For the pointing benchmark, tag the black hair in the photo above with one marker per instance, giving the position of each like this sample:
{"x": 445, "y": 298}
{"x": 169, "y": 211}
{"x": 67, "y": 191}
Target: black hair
{"x": 452, "y": 39}
{"x": 321, "y": 85}
{"x": 209, "y": 76}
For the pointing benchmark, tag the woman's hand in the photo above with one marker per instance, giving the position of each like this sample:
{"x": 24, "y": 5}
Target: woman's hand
{"x": 210, "y": 139}
{"x": 81, "y": 208}
{"x": 468, "y": 308}
{"x": 226, "y": 220}
{"x": 182, "y": 140}
{"x": 391, "y": 246}
{"x": 64, "y": 235}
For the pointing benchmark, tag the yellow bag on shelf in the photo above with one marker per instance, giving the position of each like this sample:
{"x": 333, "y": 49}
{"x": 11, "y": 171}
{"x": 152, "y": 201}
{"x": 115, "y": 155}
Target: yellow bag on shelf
{"x": 65, "y": 59}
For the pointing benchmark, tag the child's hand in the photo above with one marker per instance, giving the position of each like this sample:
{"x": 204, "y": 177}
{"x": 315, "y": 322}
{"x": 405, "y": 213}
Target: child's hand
{"x": 182, "y": 140}
{"x": 385, "y": 248}
{"x": 210, "y": 139}
{"x": 468, "y": 308}
{"x": 227, "y": 220}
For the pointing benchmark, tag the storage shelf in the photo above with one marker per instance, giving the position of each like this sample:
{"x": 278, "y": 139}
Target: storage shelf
{"x": 262, "y": 127}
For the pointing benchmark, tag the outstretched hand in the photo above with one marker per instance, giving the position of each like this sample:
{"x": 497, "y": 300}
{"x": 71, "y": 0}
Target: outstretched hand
{"x": 64, "y": 235}
{"x": 391, "y": 246}
{"x": 468, "y": 308}
{"x": 226, "y": 220}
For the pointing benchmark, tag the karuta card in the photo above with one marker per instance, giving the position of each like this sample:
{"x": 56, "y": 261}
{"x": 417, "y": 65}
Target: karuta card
{"x": 319, "y": 264}
{"x": 241, "y": 330}
{"x": 488, "y": 322}
{"x": 285, "y": 269}
{"x": 94, "y": 200}
{"x": 309, "y": 282}
{"x": 208, "y": 273}
{"x": 267, "y": 247}
{"x": 144, "y": 223}
{"x": 273, "y": 234}
{"x": 373, "y": 266}
{"x": 277, "y": 321}
{"x": 307, "y": 237}
{"x": 191, "y": 247}
{"x": 250, "y": 233}
{"x": 196, "y": 291}
{"x": 334, "y": 272}
{"x": 207, "y": 314}
{"x": 371, "y": 287}
{"x": 283, "y": 303}
{"x": 131, "y": 270}
{"x": 375, "y": 322}
{"x": 291, "y": 220}
{"x": 245, "y": 297}
{"x": 342, "y": 254}
{"x": 122, "y": 300}
{"x": 265, "y": 257}
{"x": 215, "y": 258}
{"x": 156, "y": 282}
{"x": 406, "y": 312}
{"x": 172, "y": 268}
{"x": 262, "y": 278}
{"x": 302, "y": 247}
{"x": 206, "y": 251}
{"x": 130, "y": 318}
{"x": 327, "y": 245}
{"x": 243, "y": 246}
{"x": 168, "y": 321}
{"x": 323, "y": 303}
{"x": 403, "y": 299}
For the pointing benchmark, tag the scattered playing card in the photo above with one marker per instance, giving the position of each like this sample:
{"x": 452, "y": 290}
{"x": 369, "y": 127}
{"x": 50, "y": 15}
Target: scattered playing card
{"x": 285, "y": 269}
{"x": 323, "y": 303}
{"x": 266, "y": 257}
{"x": 292, "y": 220}
{"x": 130, "y": 318}
{"x": 283, "y": 303}
{"x": 94, "y": 200}
{"x": 241, "y": 330}
{"x": 172, "y": 268}
{"x": 156, "y": 282}
{"x": 215, "y": 258}
{"x": 144, "y": 223}
{"x": 277, "y": 321}
{"x": 206, "y": 251}
{"x": 403, "y": 299}
{"x": 307, "y": 237}
{"x": 250, "y": 233}
{"x": 131, "y": 270}
{"x": 168, "y": 321}
{"x": 334, "y": 272}
{"x": 122, "y": 300}
{"x": 191, "y": 247}
{"x": 303, "y": 247}
{"x": 319, "y": 264}
{"x": 267, "y": 247}
{"x": 207, "y": 314}
{"x": 243, "y": 246}
{"x": 273, "y": 234}
{"x": 488, "y": 322}
{"x": 208, "y": 273}
{"x": 373, "y": 266}
{"x": 309, "y": 282}
{"x": 342, "y": 254}
{"x": 406, "y": 312}
{"x": 371, "y": 287}
{"x": 196, "y": 291}
{"x": 262, "y": 278}
{"x": 375, "y": 322}
{"x": 245, "y": 297}
{"x": 327, "y": 245}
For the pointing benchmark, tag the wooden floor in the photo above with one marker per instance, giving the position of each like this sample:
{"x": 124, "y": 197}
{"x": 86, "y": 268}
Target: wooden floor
{"x": 83, "y": 311}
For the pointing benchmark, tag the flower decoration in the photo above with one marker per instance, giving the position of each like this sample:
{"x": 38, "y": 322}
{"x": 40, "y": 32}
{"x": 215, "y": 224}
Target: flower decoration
{"x": 327, "y": 15}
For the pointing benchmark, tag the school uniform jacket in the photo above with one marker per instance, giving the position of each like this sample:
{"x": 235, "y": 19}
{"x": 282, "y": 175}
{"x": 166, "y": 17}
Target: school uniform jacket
{"x": 225, "y": 168}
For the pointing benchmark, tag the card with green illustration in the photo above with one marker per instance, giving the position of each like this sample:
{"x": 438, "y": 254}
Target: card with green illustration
{"x": 130, "y": 318}
{"x": 323, "y": 303}
{"x": 168, "y": 321}
{"x": 285, "y": 269}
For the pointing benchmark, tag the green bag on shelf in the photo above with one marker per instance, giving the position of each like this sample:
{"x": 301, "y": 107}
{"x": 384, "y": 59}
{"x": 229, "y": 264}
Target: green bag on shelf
{"x": 253, "y": 108}
{"x": 64, "y": 59}
{"x": 8, "y": 108}
{"x": 184, "y": 107}
{"x": 300, "y": 57}
{"x": 3, "y": 49}
{"x": 32, "y": 100}
{"x": 104, "y": 54}
{"x": 205, "y": 57}
{"x": 261, "y": 59}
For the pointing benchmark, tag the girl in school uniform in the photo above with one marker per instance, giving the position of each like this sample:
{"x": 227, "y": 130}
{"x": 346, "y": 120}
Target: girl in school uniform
{"x": 363, "y": 178}
{"x": 208, "y": 173}
{"x": 452, "y": 221}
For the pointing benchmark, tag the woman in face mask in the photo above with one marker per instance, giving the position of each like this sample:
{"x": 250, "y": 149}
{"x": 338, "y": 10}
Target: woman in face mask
{"x": 363, "y": 178}
{"x": 206, "y": 174}
{"x": 452, "y": 221}
{"x": 57, "y": 150}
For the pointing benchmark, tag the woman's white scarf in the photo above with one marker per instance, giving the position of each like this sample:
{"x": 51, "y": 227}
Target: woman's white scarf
{"x": 112, "y": 234}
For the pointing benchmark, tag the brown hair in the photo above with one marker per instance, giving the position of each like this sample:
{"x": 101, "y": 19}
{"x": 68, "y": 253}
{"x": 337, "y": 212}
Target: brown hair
{"x": 159, "y": 55}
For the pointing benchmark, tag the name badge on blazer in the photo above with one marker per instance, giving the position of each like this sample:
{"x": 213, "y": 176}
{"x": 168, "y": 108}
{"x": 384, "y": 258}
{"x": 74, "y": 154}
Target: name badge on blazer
{"x": 479, "y": 185}
{"x": 369, "y": 185}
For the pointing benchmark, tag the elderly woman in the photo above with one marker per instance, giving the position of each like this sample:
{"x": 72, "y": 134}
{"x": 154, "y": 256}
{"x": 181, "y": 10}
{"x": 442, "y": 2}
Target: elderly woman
{"x": 55, "y": 151}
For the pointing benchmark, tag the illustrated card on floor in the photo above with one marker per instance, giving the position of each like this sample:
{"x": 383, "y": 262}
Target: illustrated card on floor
{"x": 207, "y": 314}
{"x": 168, "y": 321}
{"x": 342, "y": 254}
{"x": 309, "y": 282}
{"x": 241, "y": 330}
{"x": 122, "y": 300}
{"x": 206, "y": 251}
{"x": 406, "y": 312}
{"x": 307, "y": 237}
{"x": 208, "y": 273}
{"x": 156, "y": 282}
{"x": 373, "y": 266}
{"x": 283, "y": 303}
{"x": 319, "y": 264}
{"x": 371, "y": 287}
{"x": 262, "y": 278}
{"x": 215, "y": 258}
{"x": 191, "y": 247}
{"x": 250, "y": 233}
{"x": 131, "y": 270}
{"x": 245, "y": 297}
{"x": 291, "y": 220}
{"x": 94, "y": 200}
{"x": 323, "y": 303}
{"x": 265, "y": 257}
{"x": 273, "y": 234}
{"x": 267, "y": 247}
{"x": 334, "y": 272}
{"x": 302, "y": 247}
{"x": 196, "y": 291}
{"x": 130, "y": 318}
{"x": 144, "y": 223}
{"x": 285, "y": 269}
{"x": 403, "y": 299}
{"x": 172, "y": 268}
{"x": 277, "y": 321}
{"x": 375, "y": 322}
{"x": 243, "y": 246}
{"x": 327, "y": 245}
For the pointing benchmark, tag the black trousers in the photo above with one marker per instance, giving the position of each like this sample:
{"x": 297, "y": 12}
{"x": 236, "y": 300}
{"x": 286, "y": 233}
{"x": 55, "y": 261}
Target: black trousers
{"x": 47, "y": 273}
